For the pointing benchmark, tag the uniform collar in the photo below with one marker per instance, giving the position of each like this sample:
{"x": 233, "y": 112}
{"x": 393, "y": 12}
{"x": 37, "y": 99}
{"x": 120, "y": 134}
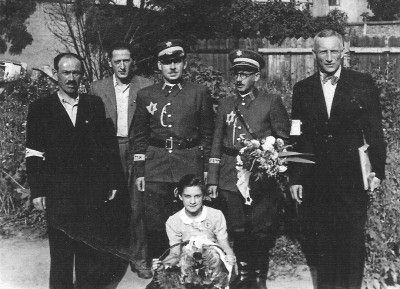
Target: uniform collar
{"x": 246, "y": 98}
{"x": 187, "y": 220}
{"x": 170, "y": 86}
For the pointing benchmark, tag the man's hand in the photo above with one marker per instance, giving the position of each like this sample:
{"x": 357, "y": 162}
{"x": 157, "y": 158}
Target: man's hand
{"x": 140, "y": 184}
{"x": 297, "y": 193}
{"x": 112, "y": 194}
{"x": 39, "y": 203}
{"x": 373, "y": 181}
{"x": 213, "y": 191}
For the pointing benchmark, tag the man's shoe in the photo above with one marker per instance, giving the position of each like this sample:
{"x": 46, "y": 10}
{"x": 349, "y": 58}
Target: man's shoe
{"x": 143, "y": 271}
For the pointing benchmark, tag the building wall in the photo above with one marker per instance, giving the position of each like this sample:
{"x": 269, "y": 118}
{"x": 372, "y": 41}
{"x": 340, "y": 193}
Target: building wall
{"x": 45, "y": 46}
{"x": 353, "y": 8}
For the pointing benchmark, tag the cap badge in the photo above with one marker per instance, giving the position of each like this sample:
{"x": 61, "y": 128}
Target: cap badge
{"x": 168, "y": 44}
{"x": 239, "y": 53}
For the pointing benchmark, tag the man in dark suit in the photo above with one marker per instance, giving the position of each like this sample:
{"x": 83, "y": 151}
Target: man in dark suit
{"x": 172, "y": 130}
{"x": 73, "y": 169}
{"x": 248, "y": 114}
{"x": 119, "y": 94}
{"x": 338, "y": 110}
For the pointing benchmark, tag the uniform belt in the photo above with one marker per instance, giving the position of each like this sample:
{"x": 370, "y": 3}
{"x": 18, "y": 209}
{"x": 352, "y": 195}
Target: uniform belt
{"x": 173, "y": 143}
{"x": 233, "y": 152}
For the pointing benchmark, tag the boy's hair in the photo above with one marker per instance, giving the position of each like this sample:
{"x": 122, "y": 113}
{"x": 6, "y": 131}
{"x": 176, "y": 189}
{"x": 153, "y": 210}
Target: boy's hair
{"x": 190, "y": 180}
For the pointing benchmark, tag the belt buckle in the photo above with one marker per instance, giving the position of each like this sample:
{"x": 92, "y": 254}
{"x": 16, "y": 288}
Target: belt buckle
{"x": 169, "y": 144}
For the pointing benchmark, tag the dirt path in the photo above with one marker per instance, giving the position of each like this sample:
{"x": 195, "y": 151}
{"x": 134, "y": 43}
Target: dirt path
{"x": 25, "y": 265}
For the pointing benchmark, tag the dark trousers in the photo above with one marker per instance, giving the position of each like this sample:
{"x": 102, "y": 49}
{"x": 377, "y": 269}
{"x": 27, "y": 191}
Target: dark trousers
{"x": 93, "y": 269}
{"x": 158, "y": 204}
{"x": 334, "y": 241}
{"x": 137, "y": 244}
{"x": 252, "y": 228}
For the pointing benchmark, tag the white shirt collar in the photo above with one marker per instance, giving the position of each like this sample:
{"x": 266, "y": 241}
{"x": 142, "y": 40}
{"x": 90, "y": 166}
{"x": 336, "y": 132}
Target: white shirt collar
{"x": 68, "y": 100}
{"x": 116, "y": 82}
{"x": 187, "y": 220}
{"x": 337, "y": 73}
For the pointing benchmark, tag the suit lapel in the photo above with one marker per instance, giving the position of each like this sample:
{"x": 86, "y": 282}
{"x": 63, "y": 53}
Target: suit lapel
{"x": 111, "y": 103}
{"x": 319, "y": 99}
{"x": 134, "y": 87}
{"x": 342, "y": 90}
{"x": 60, "y": 113}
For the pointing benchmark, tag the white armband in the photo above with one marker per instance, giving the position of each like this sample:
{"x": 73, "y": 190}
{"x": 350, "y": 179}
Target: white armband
{"x": 214, "y": 161}
{"x": 139, "y": 157}
{"x": 33, "y": 153}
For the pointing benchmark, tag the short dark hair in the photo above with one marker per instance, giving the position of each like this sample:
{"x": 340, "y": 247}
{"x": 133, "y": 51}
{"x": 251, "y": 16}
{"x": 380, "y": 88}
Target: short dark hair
{"x": 58, "y": 58}
{"x": 190, "y": 180}
{"x": 119, "y": 46}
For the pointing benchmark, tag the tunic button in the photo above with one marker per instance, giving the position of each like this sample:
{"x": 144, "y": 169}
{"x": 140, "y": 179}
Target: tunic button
{"x": 243, "y": 103}
{"x": 169, "y": 115}
{"x": 239, "y": 127}
{"x": 170, "y": 125}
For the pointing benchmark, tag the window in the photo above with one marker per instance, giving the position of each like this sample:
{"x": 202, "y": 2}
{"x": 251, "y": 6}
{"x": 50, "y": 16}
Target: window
{"x": 334, "y": 2}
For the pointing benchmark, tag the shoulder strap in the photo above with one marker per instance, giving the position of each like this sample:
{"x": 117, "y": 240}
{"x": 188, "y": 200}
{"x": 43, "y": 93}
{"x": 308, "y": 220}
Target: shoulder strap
{"x": 246, "y": 125}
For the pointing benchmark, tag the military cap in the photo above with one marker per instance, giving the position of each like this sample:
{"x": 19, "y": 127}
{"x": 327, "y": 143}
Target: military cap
{"x": 246, "y": 59}
{"x": 170, "y": 49}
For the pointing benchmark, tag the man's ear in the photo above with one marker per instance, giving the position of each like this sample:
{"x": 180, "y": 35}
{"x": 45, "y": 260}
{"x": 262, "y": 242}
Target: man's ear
{"x": 55, "y": 76}
{"x": 257, "y": 76}
{"x": 159, "y": 65}
{"x": 314, "y": 53}
{"x": 185, "y": 64}
{"x": 180, "y": 197}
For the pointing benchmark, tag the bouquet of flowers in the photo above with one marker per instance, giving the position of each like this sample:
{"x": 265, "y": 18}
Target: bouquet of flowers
{"x": 201, "y": 265}
{"x": 265, "y": 158}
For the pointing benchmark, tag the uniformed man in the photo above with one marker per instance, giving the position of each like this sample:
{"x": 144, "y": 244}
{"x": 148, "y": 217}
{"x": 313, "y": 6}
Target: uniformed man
{"x": 248, "y": 114}
{"x": 173, "y": 134}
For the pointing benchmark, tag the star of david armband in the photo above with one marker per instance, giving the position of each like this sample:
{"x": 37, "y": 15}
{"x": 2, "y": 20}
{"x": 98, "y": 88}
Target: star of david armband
{"x": 139, "y": 157}
{"x": 214, "y": 161}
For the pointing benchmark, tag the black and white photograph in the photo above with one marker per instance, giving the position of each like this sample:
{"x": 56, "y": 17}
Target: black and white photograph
{"x": 199, "y": 144}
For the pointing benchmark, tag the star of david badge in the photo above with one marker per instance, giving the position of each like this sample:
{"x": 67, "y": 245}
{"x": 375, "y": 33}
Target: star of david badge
{"x": 152, "y": 107}
{"x": 169, "y": 44}
{"x": 239, "y": 53}
{"x": 230, "y": 118}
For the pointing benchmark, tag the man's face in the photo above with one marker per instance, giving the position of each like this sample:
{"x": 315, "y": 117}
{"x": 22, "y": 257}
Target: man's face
{"x": 69, "y": 75}
{"x": 192, "y": 198}
{"x": 245, "y": 80}
{"x": 328, "y": 52}
{"x": 172, "y": 69}
{"x": 121, "y": 62}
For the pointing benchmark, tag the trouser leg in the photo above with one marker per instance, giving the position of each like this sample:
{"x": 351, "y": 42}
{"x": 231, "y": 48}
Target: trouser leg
{"x": 61, "y": 259}
{"x": 96, "y": 269}
{"x": 158, "y": 206}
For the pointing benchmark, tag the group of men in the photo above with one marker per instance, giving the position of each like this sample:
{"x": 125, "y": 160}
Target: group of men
{"x": 129, "y": 138}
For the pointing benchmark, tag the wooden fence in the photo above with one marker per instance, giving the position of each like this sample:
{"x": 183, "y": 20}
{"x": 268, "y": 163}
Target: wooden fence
{"x": 292, "y": 60}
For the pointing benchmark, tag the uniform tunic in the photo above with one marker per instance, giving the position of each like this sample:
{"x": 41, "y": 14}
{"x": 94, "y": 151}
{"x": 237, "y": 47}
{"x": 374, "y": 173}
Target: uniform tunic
{"x": 184, "y": 114}
{"x": 265, "y": 115}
